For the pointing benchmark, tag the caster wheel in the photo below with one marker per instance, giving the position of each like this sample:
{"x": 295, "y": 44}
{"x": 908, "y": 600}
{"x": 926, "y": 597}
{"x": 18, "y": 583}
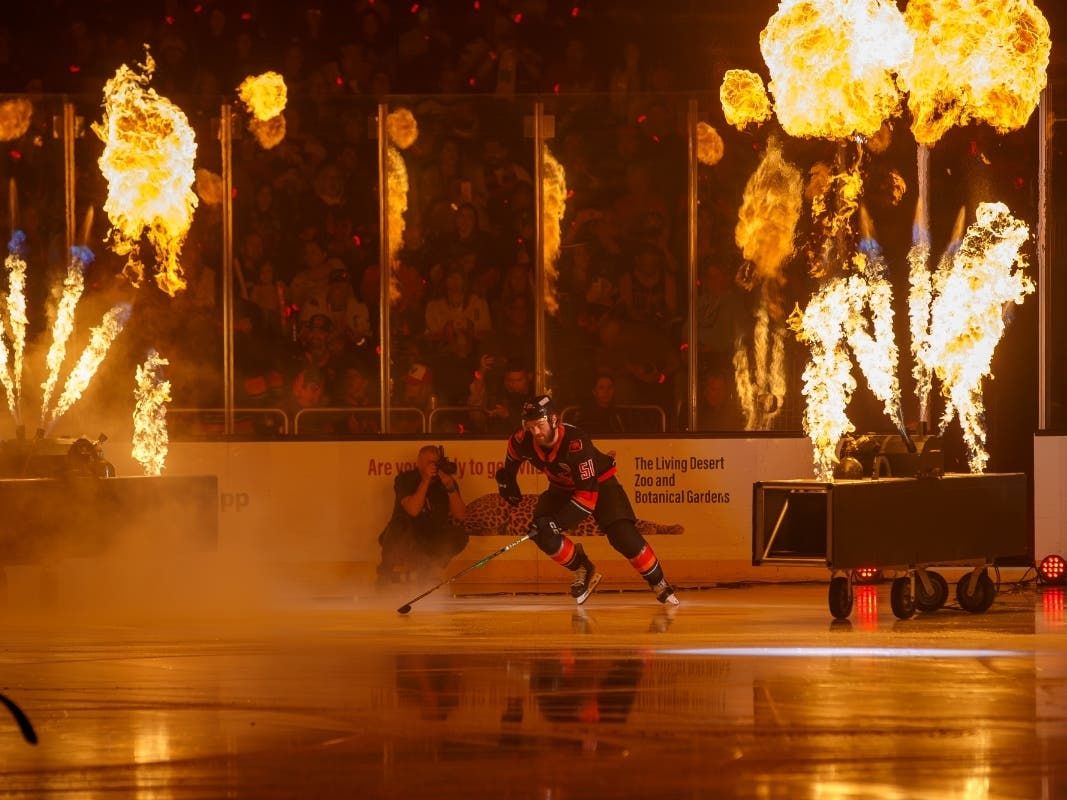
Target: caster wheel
{"x": 840, "y": 597}
{"x": 901, "y": 599}
{"x": 973, "y": 595}
{"x": 936, "y": 598}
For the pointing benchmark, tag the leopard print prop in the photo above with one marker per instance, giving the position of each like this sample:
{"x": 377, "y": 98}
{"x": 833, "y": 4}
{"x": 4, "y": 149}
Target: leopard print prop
{"x": 490, "y": 515}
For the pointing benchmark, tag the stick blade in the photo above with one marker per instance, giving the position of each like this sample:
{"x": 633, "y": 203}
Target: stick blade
{"x": 404, "y": 609}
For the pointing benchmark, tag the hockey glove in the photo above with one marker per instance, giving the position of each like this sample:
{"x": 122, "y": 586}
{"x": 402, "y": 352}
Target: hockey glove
{"x": 508, "y": 487}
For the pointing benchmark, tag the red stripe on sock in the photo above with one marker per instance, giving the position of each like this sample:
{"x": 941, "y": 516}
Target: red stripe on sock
{"x": 565, "y": 552}
{"x": 644, "y": 561}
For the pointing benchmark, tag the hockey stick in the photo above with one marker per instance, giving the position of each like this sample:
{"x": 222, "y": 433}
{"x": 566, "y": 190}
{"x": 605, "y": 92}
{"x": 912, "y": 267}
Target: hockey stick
{"x": 404, "y": 609}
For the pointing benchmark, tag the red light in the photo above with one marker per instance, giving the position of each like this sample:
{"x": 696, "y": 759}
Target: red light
{"x": 74, "y": 69}
{"x": 168, "y": 19}
{"x": 661, "y": 379}
{"x": 866, "y": 605}
{"x": 233, "y": 193}
{"x": 198, "y": 9}
{"x": 461, "y": 428}
{"x": 642, "y": 119}
{"x": 865, "y": 574}
{"x": 414, "y": 8}
{"x": 555, "y": 88}
{"x": 1020, "y": 182}
{"x": 16, "y": 155}
{"x": 570, "y": 193}
{"x": 1052, "y": 568}
{"x": 1052, "y": 604}
{"x": 575, "y": 12}
{"x": 973, "y": 149}
{"x": 472, "y": 81}
{"x": 517, "y": 18}
{"x": 477, "y": 5}
{"x": 378, "y": 349}
{"x": 357, "y": 240}
{"x": 684, "y": 347}
{"x": 339, "y": 81}
{"x": 246, "y": 16}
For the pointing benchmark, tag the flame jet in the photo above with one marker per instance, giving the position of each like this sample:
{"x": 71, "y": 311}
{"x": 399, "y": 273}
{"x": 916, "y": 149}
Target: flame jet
{"x": 967, "y": 321}
{"x": 765, "y": 232}
{"x": 63, "y": 327}
{"x": 100, "y": 339}
{"x": 16, "y": 317}
{"x": 149, "y": 149}
{"x": 152, "y": 393}
{"x": 827, "y": 377}
{"x": 402, "y": 131}
{"x": 554, "y": 194}
{"x": 872, "y": 340}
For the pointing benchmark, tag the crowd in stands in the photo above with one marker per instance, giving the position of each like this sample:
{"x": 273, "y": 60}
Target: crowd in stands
{"x": 306, "y": 249}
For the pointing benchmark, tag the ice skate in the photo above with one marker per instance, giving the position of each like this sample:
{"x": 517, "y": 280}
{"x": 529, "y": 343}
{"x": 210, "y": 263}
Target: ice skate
{"x": 665, "y": 592}
{"x": 586, "y": 578}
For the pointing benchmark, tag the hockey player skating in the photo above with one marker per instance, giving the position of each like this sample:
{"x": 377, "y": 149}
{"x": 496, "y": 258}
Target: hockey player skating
{"x": 581, "y": 482}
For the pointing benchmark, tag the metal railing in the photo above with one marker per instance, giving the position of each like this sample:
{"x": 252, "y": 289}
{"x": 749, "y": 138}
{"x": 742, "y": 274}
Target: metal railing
{"x": 218, "y": 417}
{"x": 372, "y": 413}
{"x": 567, "y": 414}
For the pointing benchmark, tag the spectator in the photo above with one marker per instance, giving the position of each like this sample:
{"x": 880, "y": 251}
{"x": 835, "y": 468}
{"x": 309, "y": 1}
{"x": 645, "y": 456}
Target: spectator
{"x": 314, "y": 278}
{"x": 648, "y": 291}
{"x": 496, "y": 395}
{"x": 718, "y": 409}
{"x": 425, "y": 531}
{"x": 598, "y": 413}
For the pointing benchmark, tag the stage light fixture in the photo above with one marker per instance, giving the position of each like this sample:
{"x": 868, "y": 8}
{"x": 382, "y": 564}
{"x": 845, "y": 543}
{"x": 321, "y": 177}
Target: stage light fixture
{"x": 1053, "y": 569}
{"x": 866, "y": 575}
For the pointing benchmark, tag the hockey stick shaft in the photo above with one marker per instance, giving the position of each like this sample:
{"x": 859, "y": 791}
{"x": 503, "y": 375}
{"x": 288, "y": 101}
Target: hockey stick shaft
{"x": 479, "y": 563}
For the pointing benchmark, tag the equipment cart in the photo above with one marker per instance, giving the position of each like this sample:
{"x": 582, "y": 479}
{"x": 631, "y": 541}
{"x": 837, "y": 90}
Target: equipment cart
{"x": 906, "y": 524}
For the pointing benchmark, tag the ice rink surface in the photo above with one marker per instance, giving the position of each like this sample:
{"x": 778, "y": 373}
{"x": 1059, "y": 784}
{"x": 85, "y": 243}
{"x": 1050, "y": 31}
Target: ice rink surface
{"x": 751, "y": 692}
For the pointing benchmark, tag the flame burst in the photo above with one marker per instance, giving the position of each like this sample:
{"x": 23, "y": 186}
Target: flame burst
{"x": 402, "y": 129}
{"x": 208, "y": 186}
{"x": 269, "y": 134}
{"x": 833, "y": 65}
{"x": 15, "y": 116}
{"x": 16, "y": 316}
{"x": 73, "y": 286}
{"x": 710, "y": 147}
{"x": 402, "y": 132}
{"x": 554, "y": 195}
{"x": 744, "y": 98}
{"x": 150, "y": 439}
{"x": 975, "y": 60}
{"x": 966, "y": 317}
{"x": 265, "y": 95}
{"x": 767, "y": 221}
{"x": 828, "y": 381}
{"x": 148, "y": 156}
{"x": 100, "y": 339}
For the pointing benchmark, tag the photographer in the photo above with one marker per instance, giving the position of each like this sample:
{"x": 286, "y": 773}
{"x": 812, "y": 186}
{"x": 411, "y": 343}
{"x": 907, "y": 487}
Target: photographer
{"x": 424, "y": 532}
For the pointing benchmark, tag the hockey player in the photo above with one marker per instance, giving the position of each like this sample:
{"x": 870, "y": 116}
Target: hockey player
{"x": 581, "y": 482}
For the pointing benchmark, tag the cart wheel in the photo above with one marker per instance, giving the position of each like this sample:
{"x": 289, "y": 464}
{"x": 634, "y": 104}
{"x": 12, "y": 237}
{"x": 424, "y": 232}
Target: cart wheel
{"x": 840, "y": 598}
{"x": 975, "y": 597}
{"x": 901, "y": 599}
{"x": 936, "y": 599}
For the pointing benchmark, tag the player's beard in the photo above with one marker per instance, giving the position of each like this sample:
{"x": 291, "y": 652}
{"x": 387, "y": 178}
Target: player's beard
{"x": 550, "y": 439}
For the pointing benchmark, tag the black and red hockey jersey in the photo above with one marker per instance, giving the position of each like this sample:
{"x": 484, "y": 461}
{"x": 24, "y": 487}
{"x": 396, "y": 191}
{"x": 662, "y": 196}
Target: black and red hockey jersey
{"x": 572, "y": 464}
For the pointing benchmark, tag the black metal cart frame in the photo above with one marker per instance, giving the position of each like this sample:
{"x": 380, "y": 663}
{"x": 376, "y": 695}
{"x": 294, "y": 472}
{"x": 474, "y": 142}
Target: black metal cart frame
{"x": 905, "y": 524}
